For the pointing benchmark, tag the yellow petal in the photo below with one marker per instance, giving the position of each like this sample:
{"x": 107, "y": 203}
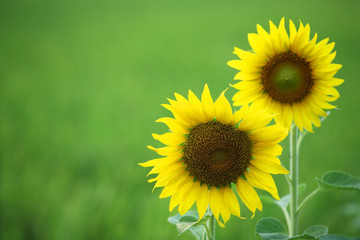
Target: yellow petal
{"x": 177, "y": 117}
{"x": 312, "y": 116}
{"x": 174, "y": 201}
{"x": 181, "y": 106}
{"x": 327, "y": 68}
{"x": 286, "y": 116}
{"x": 153, "y": 179}
{"x": 243, "y": 85}
{"x": 248, "y": 195}
{"x": 223, "y": 110}
{"x": 323, "y": 61}
{"x": 189, "y": 197}
{"x": 298, "y": 116}
{"x": 293, "y": 32}
{"x": 283, "y": 33}
{"x": 271, "y": 149}
{"x": 197, "y": 108}
{"x": 170, "y": 138}
{"x": 262, "y": 33}
{"x": 178, "y": 198}
{"x": 181, "y": 113}
{"x": 173, "y": 125}
{"x": 329, "y": 95}
{"x": 333, "y": 82}
{"x": 207, "y": 103}
{"x": 166, "y": 163}
{"x": 165, "y": 151}
{"x": 312, "y": 100}
{"x": 172, "y": 172}
{"x": 260, "y": 46}
{"x": 243, "y": 97}
{"x": 305, "y": 116}
{"x": 180, "y": 98}
{"x": 215, "y": 204}
{"x": 245, "y": 76}
{"x": 294, "y": 44}
{"x": 224, "y": 208}
{"x": 173, "y": 186}
{"x": 322, "y": 75}
{"x": 275, "y": 37}
{"x": 150, "y": 163}
{"x": 202, "y": 202}
{"x": 231, "y": 201}
{"x": 309, "y": 48}
{"x": 250, "y": 57}
{"x": 238, "y": 115}
{"x": 244, "y": 65}
{"x": 325, "y": 105}
{"x": 266, "y": 157}
{"x": 174, "y": 157}
{"x": 322, "y": 49}
{"x": 302, "y": 39}
{"x": 270, "y": 134}
{"x": 214, "y": 201}
{"x": 255, "y": 120}
{"x": 262, "y": 180}
{"x": 268, "y": 166}
{"x": 318, "y": 50}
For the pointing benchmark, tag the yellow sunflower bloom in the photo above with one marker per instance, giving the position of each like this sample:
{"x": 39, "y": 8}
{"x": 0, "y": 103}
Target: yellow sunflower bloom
{"x": 289, "y": 74}
{"x": 209, "y": 148}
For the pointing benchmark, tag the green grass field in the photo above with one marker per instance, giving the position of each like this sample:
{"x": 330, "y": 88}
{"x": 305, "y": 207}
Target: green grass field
{"x": 80, "y": 88}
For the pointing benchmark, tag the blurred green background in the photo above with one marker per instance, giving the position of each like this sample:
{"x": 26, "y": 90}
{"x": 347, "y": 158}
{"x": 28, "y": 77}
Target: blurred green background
{"x": 81, "y": 86}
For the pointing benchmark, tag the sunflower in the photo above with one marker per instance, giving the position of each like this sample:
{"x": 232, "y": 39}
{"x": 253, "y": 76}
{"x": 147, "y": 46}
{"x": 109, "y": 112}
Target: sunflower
{"x": 209, "y": 148}
{"x": 289, "y": 74}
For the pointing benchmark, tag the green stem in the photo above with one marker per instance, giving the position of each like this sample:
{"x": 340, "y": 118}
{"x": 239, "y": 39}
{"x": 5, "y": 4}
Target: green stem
{"x": 208, "y": 232}
{"x": 296, "y": 175}
{"x": 288, "y": 180}
{"x": 299, "y": 140}
{"x": 210, "y": 229}
{"x": 294, "y": 180}
{"x": 287, "y": 217}
{"x": 311, "y": 195}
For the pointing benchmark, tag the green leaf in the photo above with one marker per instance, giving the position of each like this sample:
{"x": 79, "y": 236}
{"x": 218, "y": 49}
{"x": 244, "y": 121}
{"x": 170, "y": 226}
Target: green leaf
{"x": 301, "y": 188}
{"x": 337, "y": 237}
{"x": 284, "y": 201}
{"x": 185, "y": 223}
{"x": 190, "y": 223}
{"x": 301, "y": 237}
{"x": 313, "y": 232}
{"x": 339, "y": 180}
{"x": 175, "y": 219}
{"x": 198, "y": 231}
{"x": 271, "y": 229}
{"x": 316, "y": 231}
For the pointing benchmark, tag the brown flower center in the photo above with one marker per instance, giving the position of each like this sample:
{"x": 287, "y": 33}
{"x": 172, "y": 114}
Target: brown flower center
{"x": 287, "y": 78}
{"x": 217, "y": 154}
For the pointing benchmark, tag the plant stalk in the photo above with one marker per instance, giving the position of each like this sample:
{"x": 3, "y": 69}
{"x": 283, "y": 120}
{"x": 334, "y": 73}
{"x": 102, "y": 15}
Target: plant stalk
{"x": 294, "y": 179}
{"x": 211, "y": 225}
{"x": 310, "y": 196}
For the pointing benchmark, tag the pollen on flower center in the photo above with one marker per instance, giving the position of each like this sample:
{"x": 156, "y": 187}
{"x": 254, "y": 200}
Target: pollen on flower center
{"x": 217, "y": 154}
{"x": 287, "y": 78}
